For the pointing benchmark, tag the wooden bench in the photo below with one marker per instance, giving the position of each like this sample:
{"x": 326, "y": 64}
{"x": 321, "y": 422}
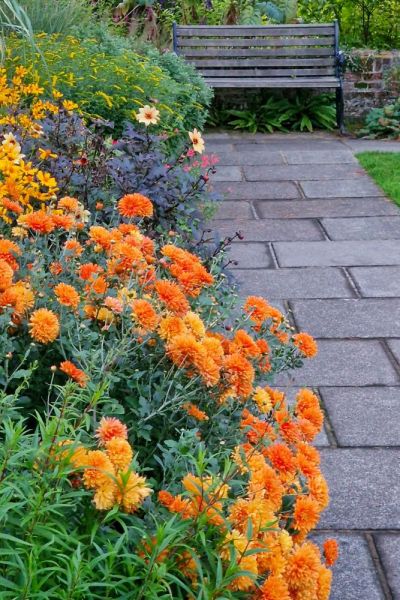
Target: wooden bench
{"x": 270, "y": 56}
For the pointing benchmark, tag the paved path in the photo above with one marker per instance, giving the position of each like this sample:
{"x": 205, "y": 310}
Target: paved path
{"x": 322, "y": 241}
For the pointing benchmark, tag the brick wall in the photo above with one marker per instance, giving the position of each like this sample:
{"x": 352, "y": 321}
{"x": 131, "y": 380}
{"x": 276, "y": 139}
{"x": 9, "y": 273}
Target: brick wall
{"x": 367, "y": 80}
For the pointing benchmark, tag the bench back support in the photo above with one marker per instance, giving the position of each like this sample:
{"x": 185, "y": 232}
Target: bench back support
{"x": 267, "y": 51}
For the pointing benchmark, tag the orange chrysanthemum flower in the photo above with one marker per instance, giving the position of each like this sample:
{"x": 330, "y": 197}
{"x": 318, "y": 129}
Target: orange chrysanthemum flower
{"x": 306, "y": 344}
{"x": 38, "y": 221}
{"x": 6, "y": 275}
{"x": 281, "y": 458}
{"x": 170, "y": 327}
{"x": 12, "y": 206}
{"x": 239, "y": 373}
{"x": 324, "y": 584}
{"x": 73, "y": 248}
{"x": 67, "y": 295}
{"x": 195, "y": 412}
{"x": 306, "y": 513}
{"x": 98, "y": 470}
{"x": 135, "y": 205}
{"x": 19, "y": 296}
{"x": 131, "y": 491}
{"x": 73, "y": 372}
{"x": 44, "y": 326}
{"x": 257, "y": 308}
{"x": 55, "y": 268}
{"x": 87, "y": 270}
{"x": 318, "y": 489}
{"x": 68, "y": 204}
{"x": 303, "y": 567}
{"x": 8, "y": 251}
{"x": 172, "y": 296}
{"x": 331, "y": 551}
{"x": 110, "y": 428}
{"x": 273, "y": 588}
{"x": 144, "y": 314}
{"x": 120, "y": 453}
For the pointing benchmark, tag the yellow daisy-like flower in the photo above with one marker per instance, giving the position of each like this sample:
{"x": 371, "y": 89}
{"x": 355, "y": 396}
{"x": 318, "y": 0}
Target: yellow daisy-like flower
{"x": 197, "y": 141}
{"x": 148, "y": 115}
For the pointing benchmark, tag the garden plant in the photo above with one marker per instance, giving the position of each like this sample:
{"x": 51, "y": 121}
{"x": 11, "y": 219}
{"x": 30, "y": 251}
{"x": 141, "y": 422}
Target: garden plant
{"x": 144, "y": 452}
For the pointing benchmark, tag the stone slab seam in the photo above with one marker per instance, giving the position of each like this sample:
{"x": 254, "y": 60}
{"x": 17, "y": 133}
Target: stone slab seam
{"x": 322, "y": 228}
{"x": 352, "y": 282}
{"x": 329, "y": 429}
{"x": 391, "y": 355}
{"x": 379, "y": 568}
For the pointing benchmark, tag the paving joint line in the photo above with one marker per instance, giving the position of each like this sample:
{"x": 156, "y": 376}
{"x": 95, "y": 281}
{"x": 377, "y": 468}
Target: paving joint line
{"x": 329, "y": 429}
{"x": 379, "y": 568}
{"x": 352, "y": 282}
{"x": 390, "y": 354}
{"x": 271, "y": 248}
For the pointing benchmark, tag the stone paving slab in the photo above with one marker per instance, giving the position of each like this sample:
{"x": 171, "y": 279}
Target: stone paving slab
{"x": 297, "y": 283}
{"x": 394, "y": 346}
{"x": 388, "y": 545}
{"x": 364, "y": 488}
{"x": 348, "y": 318}
{"x": 299, "y": 144}
{"x": 225, "y": 173}
{"x": 364, "y": 416}
{"x": 363, "y": 228}
{"x": 344, "y": 363}
{"x": 354, "y": 575}
{"x": 319, "y": 157}
{"x": 277, "y": 190}
{"x": 377, "y": 281}
{"x": 359, "y": 145}
{"x": 361, "y": 187}
{"x": 337, "y": 207}
{"x": 235, "y": 208}
{"x": 302, "y": 172}
{"x": 271, "y": 230}
{"x": 250, "y": 255}
{"x": 327, "y": 254}
{"x": 254, "y": 157}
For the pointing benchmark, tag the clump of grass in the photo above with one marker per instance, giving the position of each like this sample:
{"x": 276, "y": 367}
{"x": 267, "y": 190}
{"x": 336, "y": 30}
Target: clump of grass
{"x": 384, "y": 168}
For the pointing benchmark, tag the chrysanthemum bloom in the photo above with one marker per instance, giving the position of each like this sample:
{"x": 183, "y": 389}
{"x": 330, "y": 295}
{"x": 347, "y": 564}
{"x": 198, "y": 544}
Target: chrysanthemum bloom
{"x": 306, "y": 513}
{"x": 44, "y": 326}
{"x": 307, "y": 407}
{"x": 12, "y": 206}
{"x": 245, "y": 582}
{"x": 148, "y": 115}
{"x": 194, "y": 324}
{"x": 38, "y": 221}
{"x": 308, "y": 459}
{"x": 245, "y": 344}
{"x": 98, "y": 470}
{"x": 104, "y": 497}
{"x": 68, "y": 204}
{"x": 6, "y": 275}
{"x": 282, "y": 458}
{"x": 144, "y": 314}
{"x": 331, "y": 551}
{"x": 110, "y": 428}
{"x": 273, "y": 588}
{"x": 19, "y": 296}
{"x": 8, "y": 251}
{"x": 135, "y": 205}
{"x": 67, "y": 295}
{"x": 303, "y": 568}
{"x": 306, "y": 344}
{"x": 87, "y": 270}
{"x": 197, "y": 141}
{"x": 172, "y": 296}
{"x": 114, "y": 304}
{"x": 239, "y": 373}
{"x": 66, "y": 222}
{"x": 73, "y": 248}
{"x": 257, "y": 308}
{"x": 55, "y": 268}
{"x": 318, "y": 489}
{"x": 74, "y": 373}
{"x": 131, "y": 490}
{"x": 262, "y": 399}
{"x": 195, "y": 412}
{"x": 258, "y": 510}
{"x": 170, "y": 327}
{"x": 324, "y": 583}
{"x": 120, "y": 453}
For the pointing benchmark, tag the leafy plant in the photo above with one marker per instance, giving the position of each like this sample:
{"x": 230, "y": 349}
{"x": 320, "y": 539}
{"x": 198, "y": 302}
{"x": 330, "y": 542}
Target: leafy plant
{"x": 309, "y": 111}
{"x": 383, "y": 122}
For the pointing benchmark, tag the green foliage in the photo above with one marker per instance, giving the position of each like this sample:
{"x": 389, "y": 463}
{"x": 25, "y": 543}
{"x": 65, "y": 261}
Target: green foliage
{"x": 383, "y": 122}
{"x": 363, "y": 23}
{"x": 266, "y": 114}
{"x": 56, "y": 17}
{"x": 384, "y": 168}
{"x": 107, "y": 78}
{"x": 13, "y": 19}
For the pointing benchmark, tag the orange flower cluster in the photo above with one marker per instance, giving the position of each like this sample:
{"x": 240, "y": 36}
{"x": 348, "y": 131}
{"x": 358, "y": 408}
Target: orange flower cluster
{"x": 268, "y": 524}
{"x": 108, "y": 471}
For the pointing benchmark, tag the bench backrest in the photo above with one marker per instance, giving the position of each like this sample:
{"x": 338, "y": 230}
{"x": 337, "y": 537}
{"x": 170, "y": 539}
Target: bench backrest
{"x": 259, "y": 51}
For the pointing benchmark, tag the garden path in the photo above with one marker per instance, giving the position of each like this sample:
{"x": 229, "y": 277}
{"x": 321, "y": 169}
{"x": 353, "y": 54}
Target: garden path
{"x": 322, "y": 242}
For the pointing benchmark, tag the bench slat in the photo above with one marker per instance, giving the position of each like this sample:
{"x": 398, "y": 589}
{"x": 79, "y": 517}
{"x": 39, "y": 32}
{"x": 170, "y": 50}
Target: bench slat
{"x": 255, "y": 42}
{"x": 260, "y": 62}
{"x": 252, "y": 52}
{"x": 264, "y": 30}
{"x": 318, "y": 72}
{"x": 326, "y": 82}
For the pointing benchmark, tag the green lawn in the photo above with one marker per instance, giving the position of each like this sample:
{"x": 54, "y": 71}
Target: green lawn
{"x": 384, "y": 168}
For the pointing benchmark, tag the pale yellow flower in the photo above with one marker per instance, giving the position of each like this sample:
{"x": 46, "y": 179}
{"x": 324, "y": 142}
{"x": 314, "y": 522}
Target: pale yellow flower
{"x": 148, "y": 115}
{"x": 197, "y": 141}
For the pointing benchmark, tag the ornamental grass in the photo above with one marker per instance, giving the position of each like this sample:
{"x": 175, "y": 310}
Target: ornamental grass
{"x": 145, "y": 452}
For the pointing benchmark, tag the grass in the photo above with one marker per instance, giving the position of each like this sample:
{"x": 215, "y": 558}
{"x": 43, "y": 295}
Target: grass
{"x": 384, "y": 168}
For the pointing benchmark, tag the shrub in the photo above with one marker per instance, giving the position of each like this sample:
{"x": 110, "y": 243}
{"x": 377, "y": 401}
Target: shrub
{"x": 383, "y": 122}
{"x": 112, "y": 82}
{"x": 86, "y": 162}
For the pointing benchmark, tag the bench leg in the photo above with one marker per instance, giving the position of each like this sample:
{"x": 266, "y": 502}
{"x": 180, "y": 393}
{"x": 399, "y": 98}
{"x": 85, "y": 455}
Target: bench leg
{"x": 340, "y": 110}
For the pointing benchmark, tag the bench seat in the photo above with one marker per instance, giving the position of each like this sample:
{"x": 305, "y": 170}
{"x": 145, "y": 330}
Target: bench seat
{"x": 267, "y": 56}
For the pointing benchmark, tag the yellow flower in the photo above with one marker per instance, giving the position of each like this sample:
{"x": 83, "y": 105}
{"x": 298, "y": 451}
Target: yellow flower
{"x": 197, "y": 141}
{"x": 148, "y": 115}
{"x": 43, "y": 154}
{"x": 69, "y": 105}
{"x": 263, "y": 400}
